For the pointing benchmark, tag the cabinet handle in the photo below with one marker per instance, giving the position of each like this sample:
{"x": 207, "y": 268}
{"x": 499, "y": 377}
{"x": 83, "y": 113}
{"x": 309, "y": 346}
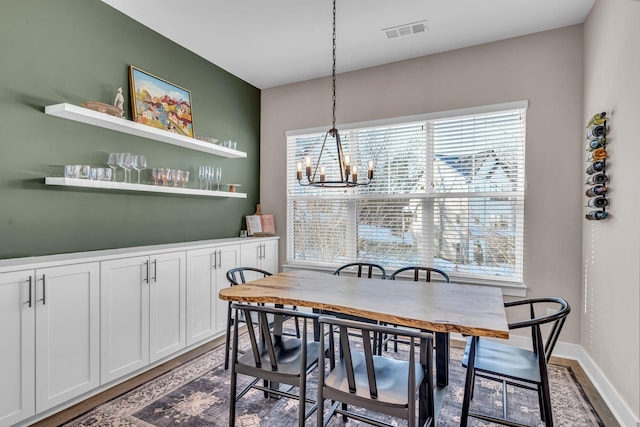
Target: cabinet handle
{"x": 146, "y": 279}
{"x": 263, "y": 248}
{"x": 155, "y": 270}
{"x": 219, "y": 259}
{"x": 30, "y": 302}
{"x": 44, "y": 291}
{"x": 214, "y": 264}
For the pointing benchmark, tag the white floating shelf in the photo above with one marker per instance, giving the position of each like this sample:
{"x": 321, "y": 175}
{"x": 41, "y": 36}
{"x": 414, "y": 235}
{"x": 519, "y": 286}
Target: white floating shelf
{"x": 96, "y": 118}
{"x": 110, "y": 185}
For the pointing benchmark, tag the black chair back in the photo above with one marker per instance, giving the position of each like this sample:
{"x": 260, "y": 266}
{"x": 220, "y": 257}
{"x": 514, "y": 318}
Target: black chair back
{"x": 357, "y": 267}
{"x": 419, "y": 269}
{"x": 238, "y": 275}
{"x": 378, "y": 383}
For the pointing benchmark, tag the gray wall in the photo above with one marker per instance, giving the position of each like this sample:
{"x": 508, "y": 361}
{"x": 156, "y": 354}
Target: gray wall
{"x": 611, "y": 249}
{"x": 79, "y": 50}
{"x": 544, "y": 68}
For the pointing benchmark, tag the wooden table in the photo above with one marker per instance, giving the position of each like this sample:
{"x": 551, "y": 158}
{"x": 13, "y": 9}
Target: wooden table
{"x": 438, "y": 307}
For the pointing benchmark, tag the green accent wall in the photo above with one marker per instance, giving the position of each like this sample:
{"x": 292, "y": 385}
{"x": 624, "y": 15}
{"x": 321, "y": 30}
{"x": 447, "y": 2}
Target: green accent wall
{"x": 79, "y": 50}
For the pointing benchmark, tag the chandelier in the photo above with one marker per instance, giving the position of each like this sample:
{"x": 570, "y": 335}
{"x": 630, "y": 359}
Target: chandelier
{"x": 348, "y": 172}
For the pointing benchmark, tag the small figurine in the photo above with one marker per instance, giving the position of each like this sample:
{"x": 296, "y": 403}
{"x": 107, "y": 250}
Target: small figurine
{"x": 119, "y": 102}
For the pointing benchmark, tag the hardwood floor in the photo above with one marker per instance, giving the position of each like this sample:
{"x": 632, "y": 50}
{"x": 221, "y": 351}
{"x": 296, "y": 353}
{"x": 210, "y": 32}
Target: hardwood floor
{"x": 74, "y": 411}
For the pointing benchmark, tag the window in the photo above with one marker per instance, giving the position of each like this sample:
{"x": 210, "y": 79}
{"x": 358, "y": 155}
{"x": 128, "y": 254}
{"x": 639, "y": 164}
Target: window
{"x": 448, "y": 192}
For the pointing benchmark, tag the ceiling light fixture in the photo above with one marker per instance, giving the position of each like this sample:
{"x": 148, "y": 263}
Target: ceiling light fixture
{"x": 348, "y": 172}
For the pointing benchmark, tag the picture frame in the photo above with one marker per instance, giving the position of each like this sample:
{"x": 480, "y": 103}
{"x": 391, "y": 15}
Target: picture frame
{"x": 159, "y": 103}
{"x": 253, "y": 224}
{"x": 260, "y": 225}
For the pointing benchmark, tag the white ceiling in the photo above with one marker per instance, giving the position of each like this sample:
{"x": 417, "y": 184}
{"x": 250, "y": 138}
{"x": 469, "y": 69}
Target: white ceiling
{"x": 271, "y": 43}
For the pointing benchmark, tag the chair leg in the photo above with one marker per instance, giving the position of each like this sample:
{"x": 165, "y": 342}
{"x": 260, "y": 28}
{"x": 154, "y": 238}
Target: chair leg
{"x": 302, "y": 407}
{"x": 546, "y": 397}
{"x": 227, "y": 340}
{"x": 541, "y": 403}
{"x": 469, "y": 382}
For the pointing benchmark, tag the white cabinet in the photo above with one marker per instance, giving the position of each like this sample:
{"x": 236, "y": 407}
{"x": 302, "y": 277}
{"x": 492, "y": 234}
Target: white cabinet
{"x": 142, "y": 311}
{"x": 50, "y": 319}
{"x": 17, "y": 358}
{"x": 72, "y": 322}
{"x": 206, "y": 275}
{"x": 261, "y": 254}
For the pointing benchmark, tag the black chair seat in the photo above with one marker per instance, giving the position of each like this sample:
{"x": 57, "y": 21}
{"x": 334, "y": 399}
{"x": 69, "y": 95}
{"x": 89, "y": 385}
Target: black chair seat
{"x": 510, "y": 362}
{"x": 288, "y": 354}
{"x": 390, "y": 376}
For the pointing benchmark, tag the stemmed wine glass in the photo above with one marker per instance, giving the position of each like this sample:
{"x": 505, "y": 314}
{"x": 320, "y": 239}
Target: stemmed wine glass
{"x": 218, "y": 177}
{"x": 124, "y": 159}
{"x": 139, "y": 164}
{"x": 112, "y": 161}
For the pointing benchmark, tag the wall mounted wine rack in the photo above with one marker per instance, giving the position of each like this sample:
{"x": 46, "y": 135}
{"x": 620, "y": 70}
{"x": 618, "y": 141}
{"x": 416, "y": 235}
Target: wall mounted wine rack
{"x": 597, "y": 179}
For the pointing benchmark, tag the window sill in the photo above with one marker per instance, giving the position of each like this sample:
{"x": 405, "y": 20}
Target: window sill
{"x": 508, "y": 289}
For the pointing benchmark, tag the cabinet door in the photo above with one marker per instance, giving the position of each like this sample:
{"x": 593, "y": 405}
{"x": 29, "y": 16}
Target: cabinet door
{"x": 17, "y": 335}
{"x": 201, "y": 292}
{"x": 124, "y": 313}
{"x": 261, "y": 254}
{"x": 269, "y": 258}
{"x": 167, "y": 324}
{"x": 67, "y": 332}
{"x": 227, "y": 258}
{"x": 250, "y": 254}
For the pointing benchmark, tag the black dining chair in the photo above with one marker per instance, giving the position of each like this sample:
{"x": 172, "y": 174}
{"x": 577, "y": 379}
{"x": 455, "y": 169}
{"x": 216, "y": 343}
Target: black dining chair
{"x": 273, "y": 358}
{"x": 515, "y": 366}
{"x": 236, "y": 276}
{"x": 357, "y": 377}
{"x": 361, "y": 269}
{"x": 355, "y": 268}
{"x": 419, "y": 273}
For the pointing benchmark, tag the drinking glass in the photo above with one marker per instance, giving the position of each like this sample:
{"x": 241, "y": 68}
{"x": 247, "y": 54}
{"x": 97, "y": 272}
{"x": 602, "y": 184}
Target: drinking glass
{"x": 218, "y": 177}
{"x": 211, "y": 171}
{"x": 176, "y": 177}
{"x": 112, "y": 161}
{"x": 185, "y": 178}
{"x": 128, "y": 163}
{"x": 139, "y": 164}
{"x": 201, "y": 175}
{"x": 123, "y": 159}
{"x": 165, "y": 176}
{"x": 71, "y": 171}
{"x": 154, "y": 176}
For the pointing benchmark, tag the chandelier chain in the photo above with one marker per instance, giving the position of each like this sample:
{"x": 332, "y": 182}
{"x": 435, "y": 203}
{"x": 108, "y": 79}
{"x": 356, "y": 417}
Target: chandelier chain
{"x": 333, "y": 74}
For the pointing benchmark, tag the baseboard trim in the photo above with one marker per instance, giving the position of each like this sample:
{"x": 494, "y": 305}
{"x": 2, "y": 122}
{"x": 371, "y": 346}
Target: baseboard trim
{"x": 618, "y": 407}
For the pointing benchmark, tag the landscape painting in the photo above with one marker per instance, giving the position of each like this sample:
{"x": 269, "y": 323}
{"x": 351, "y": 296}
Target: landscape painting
{"x": 158, "y": 103}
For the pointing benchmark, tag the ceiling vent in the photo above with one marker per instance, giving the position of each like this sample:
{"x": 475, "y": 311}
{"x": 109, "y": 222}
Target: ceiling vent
{"x": 406, "y": 29}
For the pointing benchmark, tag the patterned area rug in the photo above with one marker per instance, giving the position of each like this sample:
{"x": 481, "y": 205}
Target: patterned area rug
{"x": 197, "y": 394}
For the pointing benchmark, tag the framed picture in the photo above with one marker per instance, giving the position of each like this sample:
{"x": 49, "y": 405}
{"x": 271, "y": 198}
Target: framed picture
{"x": 260, "y": 225}
{"x": 254, "y": 226}
{"x": 159, "y": 103}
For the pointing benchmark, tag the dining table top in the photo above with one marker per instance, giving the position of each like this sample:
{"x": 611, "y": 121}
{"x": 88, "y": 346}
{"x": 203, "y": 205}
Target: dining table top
{"x": 435, "y": 306}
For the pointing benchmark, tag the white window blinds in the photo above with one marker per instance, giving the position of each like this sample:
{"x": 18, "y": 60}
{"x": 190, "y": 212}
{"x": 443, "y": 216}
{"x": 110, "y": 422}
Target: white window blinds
{"x": 447, "y": 192}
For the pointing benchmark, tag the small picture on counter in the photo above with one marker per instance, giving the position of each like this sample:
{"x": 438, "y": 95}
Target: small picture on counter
{"x": 260, "y": 225}
{"x": 253, "y": 224}
{"x": 158, "y": 103}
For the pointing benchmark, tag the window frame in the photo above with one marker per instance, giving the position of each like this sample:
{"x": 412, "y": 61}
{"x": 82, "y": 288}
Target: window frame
{"x": 509, "y": 285}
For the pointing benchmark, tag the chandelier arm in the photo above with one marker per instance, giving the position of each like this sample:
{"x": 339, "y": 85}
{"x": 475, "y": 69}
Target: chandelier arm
{"x": 315, "y": 170}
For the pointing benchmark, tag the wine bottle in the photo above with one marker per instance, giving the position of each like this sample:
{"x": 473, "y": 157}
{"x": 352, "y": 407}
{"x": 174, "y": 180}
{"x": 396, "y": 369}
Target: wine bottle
{"x": 598, "y": 202}
{"x": 596, "y": 190}
{"x": 598, "y": 178}
{"x": 599, "y": 154}
{"x": 594, "y": 144}
{"x": 597, "y": 132}
{"x": 596, "y": 215}
{"x": 598, "y": 119}
{"x": 595, "y": 167}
